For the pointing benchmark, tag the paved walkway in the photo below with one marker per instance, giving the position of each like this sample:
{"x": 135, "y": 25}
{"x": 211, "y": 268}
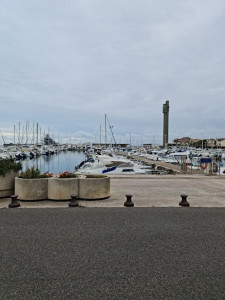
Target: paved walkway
{"x": 153, "y": 191}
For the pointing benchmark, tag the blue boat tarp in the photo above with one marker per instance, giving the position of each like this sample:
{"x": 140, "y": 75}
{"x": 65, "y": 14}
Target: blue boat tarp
{"x": 205, "y": 160}
{"x": 109, "y": 170}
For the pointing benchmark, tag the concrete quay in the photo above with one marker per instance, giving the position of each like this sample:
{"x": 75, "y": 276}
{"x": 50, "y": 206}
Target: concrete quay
{"x": 175, "y": 168}
{"x": 151, "y": 191}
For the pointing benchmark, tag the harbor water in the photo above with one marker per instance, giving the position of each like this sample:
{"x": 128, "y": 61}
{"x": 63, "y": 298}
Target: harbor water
{"x": 61, "y": 162}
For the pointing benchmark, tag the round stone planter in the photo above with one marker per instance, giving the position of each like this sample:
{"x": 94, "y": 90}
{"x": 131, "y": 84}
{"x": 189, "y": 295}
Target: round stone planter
{"x": 7, "y": 184}
{"x": 31, "y": 189}
{"x": 94, "y": 188}
{"x": 62, "y": 188}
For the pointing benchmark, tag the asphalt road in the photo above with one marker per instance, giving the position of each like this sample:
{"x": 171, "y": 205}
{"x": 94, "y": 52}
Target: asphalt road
{"x": 112, "y": 253}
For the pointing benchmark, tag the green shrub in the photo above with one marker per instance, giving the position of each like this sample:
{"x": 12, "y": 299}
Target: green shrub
{"x": 7, "y": 165}
{"x": 33, "y": 173}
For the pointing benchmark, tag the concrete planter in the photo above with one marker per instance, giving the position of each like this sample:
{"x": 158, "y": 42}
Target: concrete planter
{"x": 7, "y": 183}
{"x": 94, "y": 188}
{"x": 62, "y": 188}
{"x": 31, "y": 189}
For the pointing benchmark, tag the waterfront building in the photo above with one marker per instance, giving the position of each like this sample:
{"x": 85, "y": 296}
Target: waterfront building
{"x": 204, "y": 143}
{"x": 220, "y": 142}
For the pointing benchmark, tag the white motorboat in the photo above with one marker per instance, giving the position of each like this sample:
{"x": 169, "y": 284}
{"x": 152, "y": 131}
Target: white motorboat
{"x": 111, "y": 167}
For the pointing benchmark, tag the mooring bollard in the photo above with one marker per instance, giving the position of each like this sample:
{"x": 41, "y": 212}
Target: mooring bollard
{"x": 73, "y": 202}
{"x": 183, "y": 201}
{"x": 129, "y": 202}
{"x": 14, "y": 202}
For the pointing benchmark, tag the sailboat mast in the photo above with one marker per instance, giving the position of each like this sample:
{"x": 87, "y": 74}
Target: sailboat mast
{"x": 19, "y": 133}
{"x": 37, "y": 133}
{"x": 40, "y": 134}
{"x": 33, "y": 134}
{"x": 105, "y": 131}
{"x": 26, "y": 134}
{"x": 14, "y": 135}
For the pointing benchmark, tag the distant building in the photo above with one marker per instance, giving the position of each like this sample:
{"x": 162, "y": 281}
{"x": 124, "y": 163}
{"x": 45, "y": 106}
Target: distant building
{"x": 184, "y": 141}
{"x": 207, "y": 143}
{"x": 176, "y": 142}
{"x": 211, "y": 143}
{"x": 147, "y": 146}
{"x": 220, "y": 142}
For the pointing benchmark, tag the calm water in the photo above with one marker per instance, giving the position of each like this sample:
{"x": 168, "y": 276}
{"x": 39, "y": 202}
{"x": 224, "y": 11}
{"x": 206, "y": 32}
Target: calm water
{"x": 64, "y": 161}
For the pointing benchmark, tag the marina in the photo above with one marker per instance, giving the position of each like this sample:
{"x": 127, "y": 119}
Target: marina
{"x": 171, "y": 160}
{"x": 155, "y": 176}
{"x": 88, "y": 159}
{"x": 183, "y": 156}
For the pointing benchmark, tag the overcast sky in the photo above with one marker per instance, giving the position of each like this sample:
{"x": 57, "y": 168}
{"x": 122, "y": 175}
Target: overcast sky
{"x": 67, "y": 63}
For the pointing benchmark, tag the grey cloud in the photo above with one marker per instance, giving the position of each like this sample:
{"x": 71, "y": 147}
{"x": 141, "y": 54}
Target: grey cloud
{"x": 77, "y": 60}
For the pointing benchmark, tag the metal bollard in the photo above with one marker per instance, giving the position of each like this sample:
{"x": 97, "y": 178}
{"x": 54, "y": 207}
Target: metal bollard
{"x": 129, "y": 202}
{"x": 73, "y": 202}
{"x": 14, "y": 202}
{"x": 183, "y": 201}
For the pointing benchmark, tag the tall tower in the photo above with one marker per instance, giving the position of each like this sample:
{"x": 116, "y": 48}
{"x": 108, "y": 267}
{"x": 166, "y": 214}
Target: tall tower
{"x": 166, "y": 123}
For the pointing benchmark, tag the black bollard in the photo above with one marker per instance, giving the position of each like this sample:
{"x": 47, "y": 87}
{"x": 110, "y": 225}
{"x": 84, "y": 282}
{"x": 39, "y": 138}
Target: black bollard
{"x": 73, "y": 202}
{"x": 14, "y": 202}
{"x": 183, "y": 201}
{"x": 129, "y": 202}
